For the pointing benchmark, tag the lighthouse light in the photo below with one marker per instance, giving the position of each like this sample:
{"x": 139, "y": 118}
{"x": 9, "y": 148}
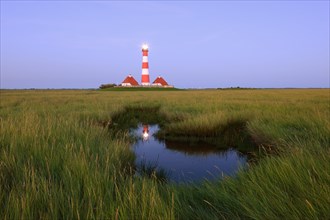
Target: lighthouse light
{"x": 144, "y": 46}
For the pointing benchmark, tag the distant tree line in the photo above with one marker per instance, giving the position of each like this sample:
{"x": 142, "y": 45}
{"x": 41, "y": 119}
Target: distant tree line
{"x": 232, "y": 88}
{"x": 110, "y": 85}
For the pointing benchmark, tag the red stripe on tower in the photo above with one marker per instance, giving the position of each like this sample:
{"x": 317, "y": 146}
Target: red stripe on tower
{"x": 145, "y": 66}
{"x": 145, "y": 81}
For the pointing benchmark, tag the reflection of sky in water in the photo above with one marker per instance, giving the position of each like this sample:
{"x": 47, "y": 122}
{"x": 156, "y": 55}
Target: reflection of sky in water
{"x": 184, "y": 162}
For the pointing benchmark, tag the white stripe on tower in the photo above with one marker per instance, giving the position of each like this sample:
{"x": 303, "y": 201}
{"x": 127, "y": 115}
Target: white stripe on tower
{"x": 145, "y": 72}
{"x": 145, "y": 81}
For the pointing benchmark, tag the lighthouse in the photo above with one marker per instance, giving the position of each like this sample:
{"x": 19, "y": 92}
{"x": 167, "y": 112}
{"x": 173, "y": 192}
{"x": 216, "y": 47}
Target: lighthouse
{"x": 145, "y": 81}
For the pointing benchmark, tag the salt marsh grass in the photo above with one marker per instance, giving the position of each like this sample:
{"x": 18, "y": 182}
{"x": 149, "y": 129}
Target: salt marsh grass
{"x": 57, "y": 159}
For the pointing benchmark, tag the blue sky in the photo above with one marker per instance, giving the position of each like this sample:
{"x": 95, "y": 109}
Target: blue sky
{"x": 197, "y": 44}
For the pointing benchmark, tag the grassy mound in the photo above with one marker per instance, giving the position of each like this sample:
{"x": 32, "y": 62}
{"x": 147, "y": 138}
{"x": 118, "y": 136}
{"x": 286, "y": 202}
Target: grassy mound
{"x": 120, "y": 89}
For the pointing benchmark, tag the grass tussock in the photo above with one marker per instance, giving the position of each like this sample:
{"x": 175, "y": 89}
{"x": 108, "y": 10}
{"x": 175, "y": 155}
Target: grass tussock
{"x": 276, "y": 188}
{"x": 58, "y": 161}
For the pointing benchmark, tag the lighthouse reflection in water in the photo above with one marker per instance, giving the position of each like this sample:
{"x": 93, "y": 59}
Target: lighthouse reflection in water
{"x": 145, "y": 132}
{"x": 182, "y": 161}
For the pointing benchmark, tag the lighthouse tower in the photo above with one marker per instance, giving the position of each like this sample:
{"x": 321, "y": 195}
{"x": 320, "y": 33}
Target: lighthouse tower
{"x": 145, "y": 81}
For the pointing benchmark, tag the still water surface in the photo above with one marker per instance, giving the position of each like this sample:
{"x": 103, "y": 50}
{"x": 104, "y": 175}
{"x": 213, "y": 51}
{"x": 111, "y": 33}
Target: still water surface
{"x": 182, "y": 162}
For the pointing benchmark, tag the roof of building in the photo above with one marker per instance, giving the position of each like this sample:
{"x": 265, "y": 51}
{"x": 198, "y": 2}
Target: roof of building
{"x": 130, "y": 79}
{"x": 161, "y": 81}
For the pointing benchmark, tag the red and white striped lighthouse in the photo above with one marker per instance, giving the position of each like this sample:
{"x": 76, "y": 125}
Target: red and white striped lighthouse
{"x": 145, "y": 81}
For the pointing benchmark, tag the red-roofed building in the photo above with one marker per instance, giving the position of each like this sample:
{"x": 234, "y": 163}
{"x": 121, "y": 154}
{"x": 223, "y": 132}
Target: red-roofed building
{"x": 129, "y": 81}
{"x": 159, "y": 81}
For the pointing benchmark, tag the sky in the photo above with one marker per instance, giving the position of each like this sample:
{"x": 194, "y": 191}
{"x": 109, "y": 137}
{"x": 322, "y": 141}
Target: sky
{"x": 192, "y": 44}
